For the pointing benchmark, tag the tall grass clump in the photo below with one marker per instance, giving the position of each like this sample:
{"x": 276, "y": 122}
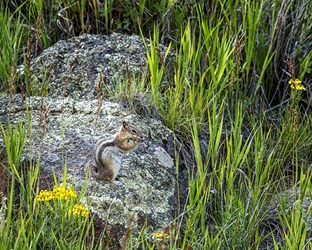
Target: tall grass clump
{"x": 199, "y": 79}
{"x": 10, "y": 44}
{"x": 219, "y": 88}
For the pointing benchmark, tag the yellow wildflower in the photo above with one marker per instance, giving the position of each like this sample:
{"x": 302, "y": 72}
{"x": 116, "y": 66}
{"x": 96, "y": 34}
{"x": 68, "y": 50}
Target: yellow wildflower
{"x": 62, "y": 193}
{"x": 57, "y": 193}
{"x": 296, "y": 84}
{"x": 44, "y": 195}
{"x": 84, "y": 213}
{"x": 80, "y": 210}
{"x": 71, "y": 193}
{"x": 160, "y": 236}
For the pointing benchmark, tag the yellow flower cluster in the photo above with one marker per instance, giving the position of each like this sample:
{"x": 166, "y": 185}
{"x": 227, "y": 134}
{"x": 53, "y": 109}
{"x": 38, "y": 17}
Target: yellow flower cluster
{"x": 160, "y": 236}
{"x": 296, "y": 84}
{"x": 80, "y": 210}
{"x": 57, "y": 193}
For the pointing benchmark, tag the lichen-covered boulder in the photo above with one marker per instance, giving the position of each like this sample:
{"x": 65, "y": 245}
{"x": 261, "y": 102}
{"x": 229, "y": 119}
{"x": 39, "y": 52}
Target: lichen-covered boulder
{"x": 72, "y": 67}
{"x": 66, "y": 126}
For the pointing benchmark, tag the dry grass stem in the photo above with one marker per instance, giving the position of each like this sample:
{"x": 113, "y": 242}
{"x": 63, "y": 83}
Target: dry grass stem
{"x": 296, "y": 118}
{"x": 38, "y": 32}
{"x": 22, "y": 86}
{"x": 290, "y": 67}
{"x": 43, "y": 116}
{"x": 99, "y": 97}
{"x": 238, "y": 49}
{"x": 12, "y": 76}
{"x": 128, "y": 77}
{"x": 161, "y": 59}
{"x": 128, "y": 231}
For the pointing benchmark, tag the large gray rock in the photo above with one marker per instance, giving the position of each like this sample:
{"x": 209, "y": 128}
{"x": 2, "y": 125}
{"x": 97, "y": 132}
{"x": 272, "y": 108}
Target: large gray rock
{"x": 73, "y": 124}
{"x": 72, "y": 67}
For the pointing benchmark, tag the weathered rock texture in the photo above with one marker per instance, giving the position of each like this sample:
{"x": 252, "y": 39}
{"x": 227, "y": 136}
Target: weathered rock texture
{"x": 72, "y": 67}
{"x": 68, "y": 133}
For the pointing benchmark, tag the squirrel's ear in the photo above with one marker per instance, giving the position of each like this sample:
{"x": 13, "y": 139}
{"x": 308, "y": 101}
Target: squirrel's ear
{"x": 124, "y": 124}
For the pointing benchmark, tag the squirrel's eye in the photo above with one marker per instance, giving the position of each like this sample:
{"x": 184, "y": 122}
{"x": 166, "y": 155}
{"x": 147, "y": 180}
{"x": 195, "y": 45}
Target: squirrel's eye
{"x": 133, "y": 131}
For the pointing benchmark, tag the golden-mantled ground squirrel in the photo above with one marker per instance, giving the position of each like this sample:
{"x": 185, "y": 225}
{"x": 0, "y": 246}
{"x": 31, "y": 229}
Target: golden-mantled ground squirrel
{"x": 108, "y": 152}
